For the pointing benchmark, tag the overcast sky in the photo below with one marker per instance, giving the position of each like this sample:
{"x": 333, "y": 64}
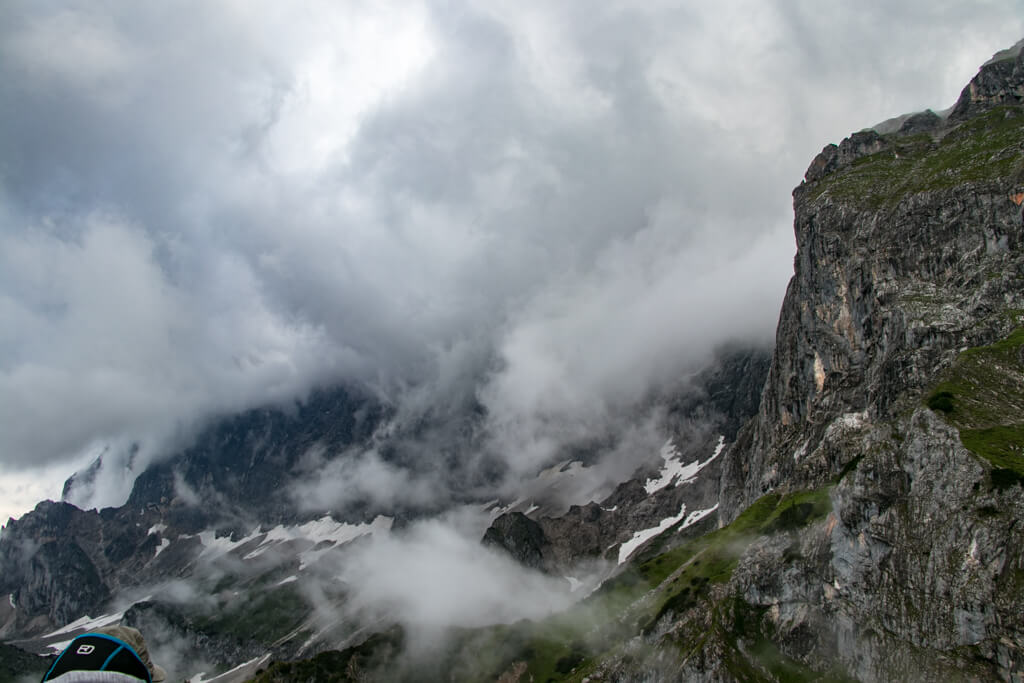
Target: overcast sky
{"x": 206, "y": 206}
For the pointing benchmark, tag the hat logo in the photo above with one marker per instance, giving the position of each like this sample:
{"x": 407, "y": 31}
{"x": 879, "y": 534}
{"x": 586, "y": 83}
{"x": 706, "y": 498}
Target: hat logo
{"x": 85, "y": 649}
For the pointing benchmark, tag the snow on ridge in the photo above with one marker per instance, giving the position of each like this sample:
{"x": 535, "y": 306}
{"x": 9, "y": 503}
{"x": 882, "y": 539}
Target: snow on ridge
{"x": 674, "y": 468}
{"x": 644, "y": 535}
{"x": 222, "y": 545}
{"x": 85, "y": 623}
{"x": 498, "y": 510}
{"x": 314, "y": 532}
{"x": 337, "y": 534}
{"x": 697, "y": 515}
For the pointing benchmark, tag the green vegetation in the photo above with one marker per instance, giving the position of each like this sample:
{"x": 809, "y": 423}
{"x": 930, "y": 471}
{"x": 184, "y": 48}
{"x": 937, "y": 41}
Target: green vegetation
{"x": 941, "y": 401}
{"x": 570, "y": 646}
{"x": 982, "y": 149}
{"x": 565, "y": 647}
{"x": 982, "y": 395}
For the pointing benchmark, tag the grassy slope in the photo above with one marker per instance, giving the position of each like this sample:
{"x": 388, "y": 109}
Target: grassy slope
{"x": 570, "y": 646}
{"x": 982, "y": 395}
{"x": 979, "y": 150}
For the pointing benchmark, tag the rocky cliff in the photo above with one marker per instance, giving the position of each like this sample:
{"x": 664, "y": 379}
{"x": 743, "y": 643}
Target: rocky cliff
{"x": 894, "y": 396}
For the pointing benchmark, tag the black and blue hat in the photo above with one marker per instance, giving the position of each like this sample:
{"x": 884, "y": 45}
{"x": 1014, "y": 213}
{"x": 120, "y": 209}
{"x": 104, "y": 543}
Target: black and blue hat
{"x": 101, "y": 658}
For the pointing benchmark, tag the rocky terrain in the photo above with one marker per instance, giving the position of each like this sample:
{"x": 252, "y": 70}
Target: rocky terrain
{"x": 848, "y": 510}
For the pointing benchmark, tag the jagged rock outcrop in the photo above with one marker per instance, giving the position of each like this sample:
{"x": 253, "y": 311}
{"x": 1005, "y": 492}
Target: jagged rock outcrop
{"x": 520, "y": 536}
{"x": 908, "y": 249}
{"x": 1000, "y": 81}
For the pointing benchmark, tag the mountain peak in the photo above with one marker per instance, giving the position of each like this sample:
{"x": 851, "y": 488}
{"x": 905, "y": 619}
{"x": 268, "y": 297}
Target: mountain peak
{"x": 999, "y": 81}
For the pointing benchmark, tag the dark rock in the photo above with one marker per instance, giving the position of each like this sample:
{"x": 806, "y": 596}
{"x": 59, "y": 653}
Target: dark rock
{"x": 921, "y": 122}
{"x": 61, "y": 583}
{"x": 520, "y": 536}
{"x": 1000, "y": 81}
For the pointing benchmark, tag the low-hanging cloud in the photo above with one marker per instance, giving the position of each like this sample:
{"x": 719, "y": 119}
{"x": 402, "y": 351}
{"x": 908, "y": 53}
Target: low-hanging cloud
{"x": 546, "y": 210}
{"x": 434, "y": 576}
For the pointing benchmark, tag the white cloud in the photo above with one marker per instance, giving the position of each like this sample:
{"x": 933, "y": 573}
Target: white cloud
{"x": 456, "y": 581}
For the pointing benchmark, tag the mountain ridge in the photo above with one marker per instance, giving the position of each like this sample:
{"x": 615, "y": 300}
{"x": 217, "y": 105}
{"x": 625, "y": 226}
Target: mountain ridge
{"x": 863, "y": 524}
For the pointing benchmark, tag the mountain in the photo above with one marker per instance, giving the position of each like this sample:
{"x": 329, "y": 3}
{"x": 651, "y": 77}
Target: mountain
{"x": 847, "y": 509}
{"x": 868, "y": 516}
{"x": 224, "y": 518}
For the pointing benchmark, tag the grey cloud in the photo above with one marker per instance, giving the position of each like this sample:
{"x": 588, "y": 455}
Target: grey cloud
{"x": 546, "y": 210}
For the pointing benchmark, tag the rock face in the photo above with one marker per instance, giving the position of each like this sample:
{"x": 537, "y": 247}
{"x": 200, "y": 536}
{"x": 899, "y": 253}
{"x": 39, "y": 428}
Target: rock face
{"x": 908, "y": 249}
{"x": 908, "y": 285}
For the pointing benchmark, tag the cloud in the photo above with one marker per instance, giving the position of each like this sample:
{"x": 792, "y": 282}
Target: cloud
{"x": 546, "y": 211}
{"x": 456, "y": 581}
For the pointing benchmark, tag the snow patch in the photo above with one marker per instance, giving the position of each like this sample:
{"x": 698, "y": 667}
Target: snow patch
{"x": 162, "y": 547}
{"x": 674, "y": 469}
{"x": 499, "y": 510}
{"x": 697, "y": 515}
{"x": 59, "y": 646}
{"x": 10, "y": 597}
{"x": 212, "y": 545}
{"x": 85, "y": 623}
{"x": 287, "y": 580}
{"x": 641, "y": 537}
{"x": 342, "y": 533}
{"x": 318, "y": 531}
{"x": 314, "y": 533}
{"x": 157, "y": 529}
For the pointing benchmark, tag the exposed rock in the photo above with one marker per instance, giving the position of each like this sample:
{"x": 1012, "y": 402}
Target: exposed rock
{"x": 520, "y": 536}
{"x": 921, "y": 122}
{"x": 1000, "y": 81}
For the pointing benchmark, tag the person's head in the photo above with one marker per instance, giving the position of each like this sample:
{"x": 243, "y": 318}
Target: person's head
{"x": 116, "y": 654}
